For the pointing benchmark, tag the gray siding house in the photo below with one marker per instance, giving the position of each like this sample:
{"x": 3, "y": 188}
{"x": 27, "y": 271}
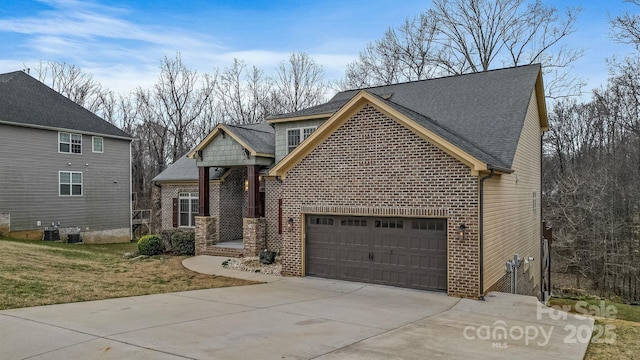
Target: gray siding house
{"x": 61, "y": 166}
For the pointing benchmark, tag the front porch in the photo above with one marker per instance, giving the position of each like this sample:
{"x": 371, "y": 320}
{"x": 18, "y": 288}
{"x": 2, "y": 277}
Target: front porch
{"x": 239, "y": 205}
{"x": 254, "y": 234}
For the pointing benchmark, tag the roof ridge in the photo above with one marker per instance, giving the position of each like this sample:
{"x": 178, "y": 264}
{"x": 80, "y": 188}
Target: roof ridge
{"x": 243, "y": 127}
{"x": 440, "y": 77}
{"x": 25, "y": 82}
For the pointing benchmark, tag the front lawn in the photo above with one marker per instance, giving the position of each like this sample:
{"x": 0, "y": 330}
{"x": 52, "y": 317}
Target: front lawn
{"x": 41, "y": 272}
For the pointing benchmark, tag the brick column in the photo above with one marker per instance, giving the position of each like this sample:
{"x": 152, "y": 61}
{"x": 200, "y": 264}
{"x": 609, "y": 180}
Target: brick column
{"x": 206, "y": 233}
{"x": 254, "y": 235}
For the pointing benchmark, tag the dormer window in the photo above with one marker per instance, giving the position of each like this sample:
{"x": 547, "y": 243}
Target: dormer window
{"x": 69, "y": 143}
{"x": 296, "y": 136}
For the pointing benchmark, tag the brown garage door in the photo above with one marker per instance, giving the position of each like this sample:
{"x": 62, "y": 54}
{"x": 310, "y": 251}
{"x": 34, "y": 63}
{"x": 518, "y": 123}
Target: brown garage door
{"x": 391, "y": 251}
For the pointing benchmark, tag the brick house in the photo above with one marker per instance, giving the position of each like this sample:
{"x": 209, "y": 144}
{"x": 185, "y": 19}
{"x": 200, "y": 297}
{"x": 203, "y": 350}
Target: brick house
{"x": 431, "y": 184}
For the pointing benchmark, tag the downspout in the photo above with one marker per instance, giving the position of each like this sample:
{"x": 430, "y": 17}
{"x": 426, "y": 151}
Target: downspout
{"x": 542, "y": 227}
{"x": 481, "y": 232}
{"x": 130, "y": 192}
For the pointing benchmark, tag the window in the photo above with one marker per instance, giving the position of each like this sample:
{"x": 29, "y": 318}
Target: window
{"x": 98, "y": 144}
{"x": 321, "y": 221}
{"x": 69, "y": 143}
{"x": 296, "y": 136}
{"x": 188, "y": 209}
{"x": 353, "y": 222}
{"x": 428, "y": 224}
{"x": 70, "y": 183}
{"x": 535, "y": 202}
{"x": 389, "y": 223}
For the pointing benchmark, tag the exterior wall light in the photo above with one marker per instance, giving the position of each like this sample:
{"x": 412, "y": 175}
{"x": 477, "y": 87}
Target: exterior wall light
{"x": 246, "y": 185}
{"x": 290, "y": 224}
{"x": 462, "y": 229}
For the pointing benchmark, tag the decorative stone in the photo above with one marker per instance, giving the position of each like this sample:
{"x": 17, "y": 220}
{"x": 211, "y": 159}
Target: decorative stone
{"x": 206, "y": 233}
{"x": 254, "y": 237}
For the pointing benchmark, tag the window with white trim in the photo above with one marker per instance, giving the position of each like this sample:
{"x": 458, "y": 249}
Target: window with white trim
{"x": 69, "y": 143}
{"x": 97, "y": 144}
{"x": 70, "y": 183}
{"x": 296, "y": 136}
{"x": 188, "y": 209}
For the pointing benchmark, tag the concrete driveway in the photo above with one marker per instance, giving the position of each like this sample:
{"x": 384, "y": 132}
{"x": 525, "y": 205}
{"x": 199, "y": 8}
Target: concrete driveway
{"x": 291, "y": 318}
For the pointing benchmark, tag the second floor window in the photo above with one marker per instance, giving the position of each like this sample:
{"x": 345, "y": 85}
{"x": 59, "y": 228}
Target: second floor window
{"x": 69, "y": 143}
{"x": 296, "y": 136}
{"x": 98, "y": 144}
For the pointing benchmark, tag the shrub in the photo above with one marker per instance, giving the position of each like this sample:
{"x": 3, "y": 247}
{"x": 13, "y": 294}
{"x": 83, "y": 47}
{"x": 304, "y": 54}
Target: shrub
{"x": 150, "y": 245}
{"x": 183, "y": 243}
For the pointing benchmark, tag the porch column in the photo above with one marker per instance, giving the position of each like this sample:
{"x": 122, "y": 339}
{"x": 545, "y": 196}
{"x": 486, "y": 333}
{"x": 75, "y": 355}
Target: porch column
{"x": 203, "y": 191}
{"x": 254, "y": 190}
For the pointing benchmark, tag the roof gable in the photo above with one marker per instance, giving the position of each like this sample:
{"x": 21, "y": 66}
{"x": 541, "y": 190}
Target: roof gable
{"x": 258, "y": 139}
{"x": 481, "y": 113}
{"x": 25, "y": 101}
{"x": 348, "y": 110}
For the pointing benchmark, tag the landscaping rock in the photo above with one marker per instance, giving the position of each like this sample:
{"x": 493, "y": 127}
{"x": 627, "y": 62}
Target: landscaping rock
{"x": 253, "y": 264}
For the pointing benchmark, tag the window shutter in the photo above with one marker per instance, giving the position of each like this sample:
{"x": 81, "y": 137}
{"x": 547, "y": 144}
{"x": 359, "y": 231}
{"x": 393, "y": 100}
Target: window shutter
{"x": 175, "y": 212}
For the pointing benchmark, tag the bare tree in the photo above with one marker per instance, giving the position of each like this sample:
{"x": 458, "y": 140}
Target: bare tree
{"x": 298, "y": 84}
{"x": 403, "y": 54}
{"x": 590, "y": 185}
{"x": 70, "y": 81}
{"x": 626, "y": 27}
{"x": 243, "y": 94}
{"x": 174, "y": 105}
{"x": 462, "y": 36}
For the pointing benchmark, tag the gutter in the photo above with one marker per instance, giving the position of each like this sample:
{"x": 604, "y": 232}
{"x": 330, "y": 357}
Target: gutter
{"x": 60, "y": 129}
{"x": 481, "y": 231}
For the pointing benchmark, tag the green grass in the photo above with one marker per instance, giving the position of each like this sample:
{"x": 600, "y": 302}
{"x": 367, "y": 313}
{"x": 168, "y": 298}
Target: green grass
{"x": 41, "y": 272}
{"x": 623, "y": 311}
{"x": 624, "y": 324}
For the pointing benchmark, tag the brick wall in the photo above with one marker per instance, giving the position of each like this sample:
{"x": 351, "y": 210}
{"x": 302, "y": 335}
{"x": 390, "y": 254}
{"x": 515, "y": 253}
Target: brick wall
{"x": 273, "y": 192}
{"x": 227, "y": 201}
{"x": 170, "y": 191}
{"x": 232, "y": 205}
{"x": 373, "y": 162}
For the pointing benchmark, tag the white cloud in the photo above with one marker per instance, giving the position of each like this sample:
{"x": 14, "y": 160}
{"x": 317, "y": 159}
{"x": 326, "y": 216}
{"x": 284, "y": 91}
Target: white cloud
{"x": 122, "y": 54}
{"x": 86, "y": 34}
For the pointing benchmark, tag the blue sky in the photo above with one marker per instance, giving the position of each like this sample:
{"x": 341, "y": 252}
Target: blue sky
{"x": 122, "y": 42}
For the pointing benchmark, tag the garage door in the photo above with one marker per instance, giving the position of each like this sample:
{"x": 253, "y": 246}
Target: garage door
{"x": 390, "y": 251}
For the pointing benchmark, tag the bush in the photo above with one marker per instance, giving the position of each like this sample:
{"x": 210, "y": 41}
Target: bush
{"x": 183, "y": 243}
{"x": 150, "y": 245}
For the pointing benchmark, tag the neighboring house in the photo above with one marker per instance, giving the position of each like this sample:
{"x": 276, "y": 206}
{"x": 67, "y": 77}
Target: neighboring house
{"x": 61, "y": 166}
{"x": 431, "y": 184}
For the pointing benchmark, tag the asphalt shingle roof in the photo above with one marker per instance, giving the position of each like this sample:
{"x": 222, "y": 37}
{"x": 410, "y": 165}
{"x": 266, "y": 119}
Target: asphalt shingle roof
{"x": 25, "y": 101}
{"x": 482, "y": 113}
{"x": 185, "y": 169}
{"x": 260, "y": 137}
